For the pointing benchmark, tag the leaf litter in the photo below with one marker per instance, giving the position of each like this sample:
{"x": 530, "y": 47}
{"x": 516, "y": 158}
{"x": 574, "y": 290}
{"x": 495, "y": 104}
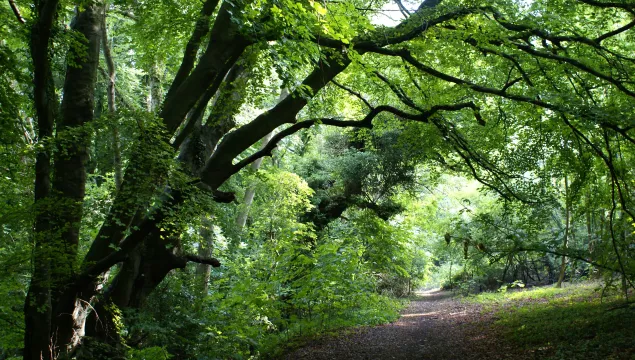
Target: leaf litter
{"x": 436, "y": 325}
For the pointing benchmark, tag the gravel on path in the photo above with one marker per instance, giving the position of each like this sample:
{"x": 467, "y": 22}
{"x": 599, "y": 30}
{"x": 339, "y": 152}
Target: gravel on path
{"x": 435, "y": 325}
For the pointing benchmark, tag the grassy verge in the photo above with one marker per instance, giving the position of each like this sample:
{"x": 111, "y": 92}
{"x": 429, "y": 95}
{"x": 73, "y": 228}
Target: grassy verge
{"x": 574, "y": 322}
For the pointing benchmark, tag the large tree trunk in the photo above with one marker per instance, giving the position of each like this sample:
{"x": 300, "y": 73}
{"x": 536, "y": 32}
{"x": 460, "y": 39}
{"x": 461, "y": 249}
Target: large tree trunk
{"x": 59, "y": 243}
{"x": 151, "y": 261}
{"x": 146, "y": 270}
{"x": 145, "y": 267}
{"x": 123, "y": 213}
{"x": 37, "y": 306}
{"x": 69, "y": 178}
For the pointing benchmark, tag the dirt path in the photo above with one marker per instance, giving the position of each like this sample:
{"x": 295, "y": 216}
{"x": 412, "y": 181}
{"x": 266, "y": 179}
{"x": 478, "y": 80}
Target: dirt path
{"x": 434, "y": 326}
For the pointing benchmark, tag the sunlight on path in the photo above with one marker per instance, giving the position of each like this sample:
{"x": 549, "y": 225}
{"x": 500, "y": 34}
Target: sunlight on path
{"x": 435, "y": 325}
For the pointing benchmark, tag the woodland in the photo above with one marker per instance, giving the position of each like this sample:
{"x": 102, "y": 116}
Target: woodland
{"x": 206, "y": 179}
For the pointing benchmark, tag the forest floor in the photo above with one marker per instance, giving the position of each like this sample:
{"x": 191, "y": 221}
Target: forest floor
{"x": 543, "y": 323}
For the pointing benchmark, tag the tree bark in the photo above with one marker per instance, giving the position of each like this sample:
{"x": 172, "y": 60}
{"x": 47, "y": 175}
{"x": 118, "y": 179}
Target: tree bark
{"x": 112, "y": 105}
{"x": 37, "y": 306}
{"x": 567, "y": 211}
{"x": 201, "y": 143}
{"x": 151, "y": 261}
{"x": 69, "y": 178}
{"x": 205, "y": 246}
{"x": 588, "y": 211}
{"x": 223, "y": 50}
{"x": 219, "y": 167}
{"x": 67, "y": 188}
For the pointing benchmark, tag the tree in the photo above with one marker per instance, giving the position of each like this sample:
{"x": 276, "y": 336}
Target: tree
{"x": 480, "y": 85}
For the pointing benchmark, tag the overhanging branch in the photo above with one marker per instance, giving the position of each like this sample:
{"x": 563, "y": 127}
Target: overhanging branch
{"x": 202, "y": 260}
{"x": 621, "y": 5}
{"x": 409, "y": 29}
{"x": 366, "y": 122}
{"x": 567, "y": 254}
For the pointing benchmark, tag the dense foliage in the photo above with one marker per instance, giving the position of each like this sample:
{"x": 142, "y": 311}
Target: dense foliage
{"x": 213, "y": 179}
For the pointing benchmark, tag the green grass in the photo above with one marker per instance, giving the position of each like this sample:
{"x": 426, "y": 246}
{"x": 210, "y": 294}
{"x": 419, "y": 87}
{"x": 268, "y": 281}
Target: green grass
{"x": 569, "y": 323}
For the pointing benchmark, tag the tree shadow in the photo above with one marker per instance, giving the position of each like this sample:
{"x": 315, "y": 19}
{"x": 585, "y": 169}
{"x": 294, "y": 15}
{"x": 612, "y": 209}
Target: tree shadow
{"x": 571, "y": 329}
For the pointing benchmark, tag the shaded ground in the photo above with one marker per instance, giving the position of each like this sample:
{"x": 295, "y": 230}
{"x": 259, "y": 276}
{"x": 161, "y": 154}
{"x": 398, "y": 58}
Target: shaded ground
{"x": 434, "y": 326}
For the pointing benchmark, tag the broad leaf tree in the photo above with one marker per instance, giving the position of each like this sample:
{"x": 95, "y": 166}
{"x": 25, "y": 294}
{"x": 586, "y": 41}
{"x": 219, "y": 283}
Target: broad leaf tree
{"x": 494, "y": 90}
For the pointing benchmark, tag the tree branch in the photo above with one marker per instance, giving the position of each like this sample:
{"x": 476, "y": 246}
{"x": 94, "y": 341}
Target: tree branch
{"x": 191, "y": 49}
{"x": 354, "y": 93}
{"x": 225, "y": 47}
{"x": 202, "y": 260}
{"x": 566, "y": 254}
{"x": 402, "y": 8}
{"x": 196, "y": 114}
{"x": 366, "y": 122}
{"x": 407, "y": 56}
{"x": 621, "y": 5}
{"x": 617, "y": 31}
{"x": 16, "y": 11}
{"x": 530, "y": 50}
{"x": 513, "y": 60}
{"x": 239, "y": 140}
{"x": 407, "y": 30}
{"x": 525, "y": 31}
{"x": 398, "y": 92}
